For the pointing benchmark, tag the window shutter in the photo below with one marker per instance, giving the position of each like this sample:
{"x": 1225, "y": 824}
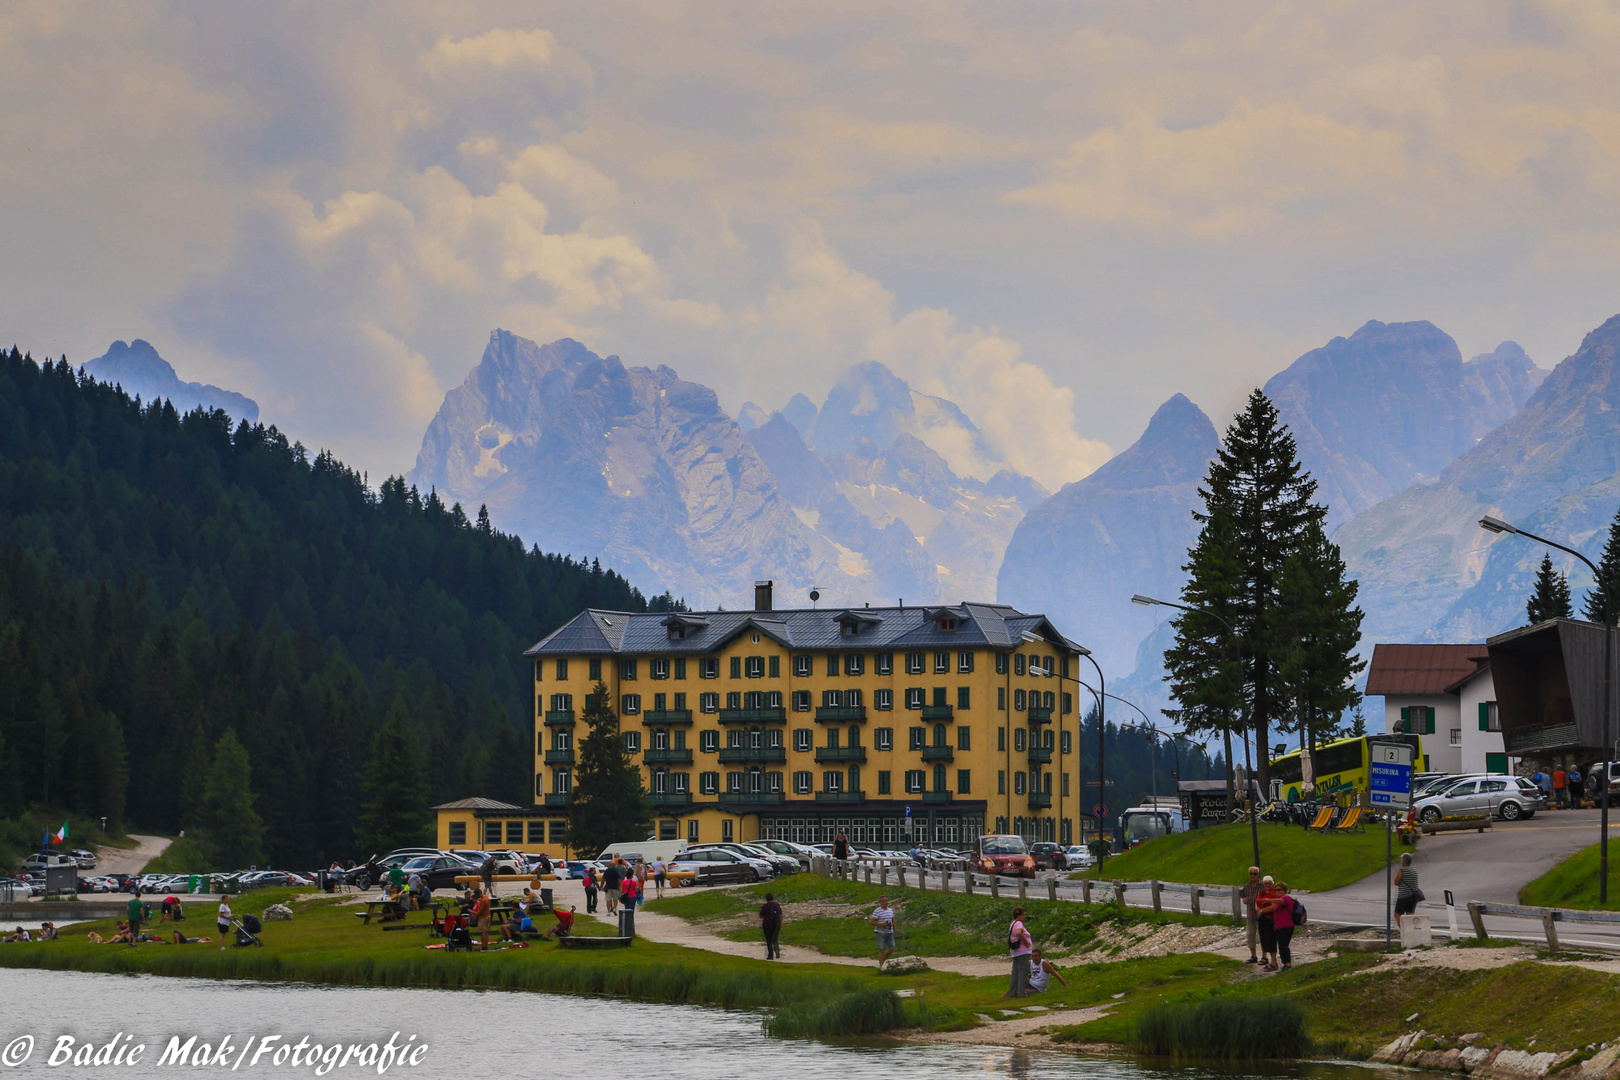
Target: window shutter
{"x": 1484, "y": 716}
{"x": 1405, "y": 720}
{"x": 1428, "y": 728}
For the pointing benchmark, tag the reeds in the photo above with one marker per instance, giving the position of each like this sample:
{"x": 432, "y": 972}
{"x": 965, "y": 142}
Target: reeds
{"x": 864, "y": 1012}
{"x": 1235, "y": 1029}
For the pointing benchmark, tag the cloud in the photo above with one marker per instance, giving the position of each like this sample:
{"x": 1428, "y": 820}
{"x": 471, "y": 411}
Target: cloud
{"x": 534, "y": 50}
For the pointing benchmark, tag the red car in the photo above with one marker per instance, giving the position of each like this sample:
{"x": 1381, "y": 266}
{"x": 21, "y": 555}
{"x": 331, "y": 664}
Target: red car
{"x": 1009, "y": 855}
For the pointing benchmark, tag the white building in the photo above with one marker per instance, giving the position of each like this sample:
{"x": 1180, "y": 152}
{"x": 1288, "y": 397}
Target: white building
{"x": 1445, "y": 695}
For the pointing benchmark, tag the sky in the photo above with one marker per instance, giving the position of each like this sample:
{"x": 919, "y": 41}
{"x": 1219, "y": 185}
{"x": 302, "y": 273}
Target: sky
{"x": 1056, "y": 215}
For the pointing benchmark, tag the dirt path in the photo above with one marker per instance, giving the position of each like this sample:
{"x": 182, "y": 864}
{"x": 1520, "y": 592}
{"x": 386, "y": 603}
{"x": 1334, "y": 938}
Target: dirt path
{"x": 114, "y": 860}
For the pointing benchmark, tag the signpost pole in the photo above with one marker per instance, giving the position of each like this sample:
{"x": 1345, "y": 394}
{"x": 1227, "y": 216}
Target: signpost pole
{"x": 1389, "y": 876}
{"x": 1389, "y": 786}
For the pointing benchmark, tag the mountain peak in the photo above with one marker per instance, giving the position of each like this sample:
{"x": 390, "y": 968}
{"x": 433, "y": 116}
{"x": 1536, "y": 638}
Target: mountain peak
{"x": 137, "y": 367}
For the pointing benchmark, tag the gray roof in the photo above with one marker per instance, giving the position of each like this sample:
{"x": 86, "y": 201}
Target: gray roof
{"x": 476, "y": 804}
{"x": 978, "y": 625}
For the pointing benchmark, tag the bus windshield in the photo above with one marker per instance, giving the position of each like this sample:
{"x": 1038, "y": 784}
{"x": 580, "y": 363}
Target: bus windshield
{"x": 1144, "y": 825}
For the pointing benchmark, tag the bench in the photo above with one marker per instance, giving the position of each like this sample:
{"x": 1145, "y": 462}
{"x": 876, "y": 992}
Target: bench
{"x": 594, "y": 942}
{"x": 371, "y": 911}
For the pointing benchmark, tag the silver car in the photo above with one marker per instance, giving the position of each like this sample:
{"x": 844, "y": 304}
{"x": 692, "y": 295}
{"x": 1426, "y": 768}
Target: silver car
{"x": 1507, "y": 797}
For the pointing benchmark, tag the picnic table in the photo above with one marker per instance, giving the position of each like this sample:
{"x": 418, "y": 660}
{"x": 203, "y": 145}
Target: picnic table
{"x": 387, "y": 915}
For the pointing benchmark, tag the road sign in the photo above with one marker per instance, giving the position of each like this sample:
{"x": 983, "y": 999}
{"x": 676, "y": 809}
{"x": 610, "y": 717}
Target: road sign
{"x": 1099, "y": 811}
{"x": 1390, "y": 785}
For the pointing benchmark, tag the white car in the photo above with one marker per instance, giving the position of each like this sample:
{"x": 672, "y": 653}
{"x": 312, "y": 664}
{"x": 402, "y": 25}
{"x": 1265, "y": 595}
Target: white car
{"x": 1075, "y": 857}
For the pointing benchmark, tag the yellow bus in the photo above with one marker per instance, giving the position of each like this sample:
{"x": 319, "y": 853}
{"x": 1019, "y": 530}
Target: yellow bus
{"x": 1340, "y": 767}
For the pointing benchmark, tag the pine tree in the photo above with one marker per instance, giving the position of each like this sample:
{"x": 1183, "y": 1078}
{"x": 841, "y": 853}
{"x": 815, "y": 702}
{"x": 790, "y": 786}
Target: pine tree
{"x": 608, "y": 804}
{"x": 233, "y": 835}
{"x": 1317, "y": 628}
{"x": 1260, "y": 499}
{"x": 1550, "y": 600}
{"x": 1608, "y": 579}
{"x": 394, "y": 801}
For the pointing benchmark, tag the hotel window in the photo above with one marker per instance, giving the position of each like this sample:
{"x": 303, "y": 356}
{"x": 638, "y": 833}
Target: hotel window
{"x": 1001, "y": 699}
{"x": 915, "y": 779}
{"x": 537, "y": 832}
{"x": 734, "y": 782}
{"x": 709, "y": 667}
{"x": 915, "y": 662}
{"x": 832, "y": 663}
{"x": 562, "y": 781}
{"x": 708, "y": 741}
{"x": 1068, "y": 742}
{"x": 733, "y": 699}
{"x": 1018, "y": 663}
{"x": 709, "y": 783}
{"x": 660, "y": 782}
{"x": 595, "y": 668}
{"x": 756, "y": 667}
{"x": 692, "y": 830}
{"x": 883, "y": 781}
{"x": 627, "y": 669}
{"x": 562, "y": 669}
{"x": 562, "y": 702}
{"x": 539, "y": 669}
{"x": 832, "y": 699}
{"x": 855, "y": 663}
{"x": 947, "y": 623}
{"x": 963, "y": 698}
{"x": 1001, "y": 783}
{"x": 801, "y": 701}
{"x": 1068, "y": 703}
{"x": 1019, "y": 781}
{"x": 774, "y": 738}
{"x": 632, "y": 741}
{"x": 1001, "y": 739}
{"x": 629, "y": 704}
{"x": 964, "y": 782}
{"x": 964, "y": 737}
{"x": 914, "y": 697}
{"x": 660, "y": 668}
{"x": 736, "y": 667}
{"x": 1019, "y": 743}
{"x": 660, "y": 739}
{"x": 1046, "y": 700}
{"x": 658, "y": 702}
{"x": 919, "y": 738}
{"x": 492, "y": 833}
{"x": 883, "y": 700}
{"x": 1001, "y": 663}
{"x": 883, "y": 738}
{"x": 458, "y": 834}
{"x": 773, "y": 783}
{"x": 942, "y": 662}
{"x": 1065, "y": 785}
{"x": 680, "y": 702}
{"x": 1018, "y": 701}
{"x": 709, "y": 702}
{"x": 680, "y": 668}
{"x": 832, "y": 781}
{"x": 802, "y": 738}
{"x": 885, "y": 663}
{"x": 801, "y": 782}
{"x": 801, "y": 666}
{"x": 776, "y": 667}
{"x": 964, "y": 661}
{"x": 853, "y": 699}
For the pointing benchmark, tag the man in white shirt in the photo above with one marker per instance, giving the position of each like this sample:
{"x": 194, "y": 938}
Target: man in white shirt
{"x": 882, "y": 920}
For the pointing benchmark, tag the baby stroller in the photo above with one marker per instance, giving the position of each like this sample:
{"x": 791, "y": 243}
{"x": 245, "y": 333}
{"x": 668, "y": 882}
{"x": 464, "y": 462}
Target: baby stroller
{"x": 247, "y": 930}
{"x": 460, "y": 937}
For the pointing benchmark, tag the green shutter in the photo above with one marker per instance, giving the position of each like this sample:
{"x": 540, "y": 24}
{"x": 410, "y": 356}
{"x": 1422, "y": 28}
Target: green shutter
{"x": 1484, "y": 716}
{"x": 1428, "y": 728}
{"x": 1405, "y": 720}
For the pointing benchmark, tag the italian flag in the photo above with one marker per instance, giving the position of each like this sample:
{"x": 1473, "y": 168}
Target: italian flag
{"x": 60, "y": 835}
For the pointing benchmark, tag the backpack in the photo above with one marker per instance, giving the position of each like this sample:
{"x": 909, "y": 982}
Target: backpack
{"x": 1299, "y": 912}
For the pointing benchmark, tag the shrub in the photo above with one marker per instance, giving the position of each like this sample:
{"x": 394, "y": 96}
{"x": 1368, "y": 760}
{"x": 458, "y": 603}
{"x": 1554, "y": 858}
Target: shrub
{"x": 865, "y": 1012}
{"x": 1223, "y": 1030}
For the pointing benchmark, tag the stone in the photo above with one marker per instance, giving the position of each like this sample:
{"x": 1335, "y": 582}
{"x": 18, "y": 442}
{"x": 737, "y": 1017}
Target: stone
{"x": 277, "y": 913}
{"x": 1514, "y": 1064}
{"x": 1474, "y": 1056}
{"x": 904, "y": 965}
{"x": 1441, "y": 1060}
{"x": 1602, "y": 1065}
{"x": 1470, "y": 1039}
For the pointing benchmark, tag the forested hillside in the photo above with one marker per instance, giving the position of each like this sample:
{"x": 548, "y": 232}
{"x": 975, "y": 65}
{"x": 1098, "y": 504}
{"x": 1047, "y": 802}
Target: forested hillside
{"x": 166, "y": 580}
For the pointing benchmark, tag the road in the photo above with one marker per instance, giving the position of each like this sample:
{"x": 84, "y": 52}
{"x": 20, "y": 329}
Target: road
{"x": 113, "y": 860}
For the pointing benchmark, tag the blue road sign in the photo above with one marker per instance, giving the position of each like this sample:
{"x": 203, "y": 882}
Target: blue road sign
{"x": 1390, "y": 785}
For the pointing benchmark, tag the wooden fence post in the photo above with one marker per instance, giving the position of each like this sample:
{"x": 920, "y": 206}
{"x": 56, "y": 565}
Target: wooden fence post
{"x": 1085, "y": 890}
{"x": 967, "y": 881}
{"x": 1153, "y": 883}
{"x": 869, "y": 875}
{"x": 1197, "y": 903}
{"x": 1551, "y": 928}
{"x": 1119, "y": 892}
{"x": 1476, "y": 915}
{"x": 1238, "y": 916}
{"x": 1023, "y": 889}
{"x": 995, "y": 886}
{"x": 1051, "y": 889}
{"x": 883, "y": 874}
{"x": 900, "y": 872}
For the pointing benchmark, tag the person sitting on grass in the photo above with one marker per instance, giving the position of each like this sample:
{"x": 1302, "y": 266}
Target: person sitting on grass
{"x": 47, "y": 932}
{"x": 19, "y": 935}
{"x": 512, "y": 926}
{"x": 1041, "y": 973}
{"x": 565, "y": 924}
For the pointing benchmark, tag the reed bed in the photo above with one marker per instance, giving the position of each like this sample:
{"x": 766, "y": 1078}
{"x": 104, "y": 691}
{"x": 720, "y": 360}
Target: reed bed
{"x": 1223, "y": 1029}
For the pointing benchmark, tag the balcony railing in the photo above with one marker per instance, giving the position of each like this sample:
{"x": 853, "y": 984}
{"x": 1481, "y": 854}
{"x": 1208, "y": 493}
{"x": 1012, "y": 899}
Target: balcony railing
{"x": 669, "y": 757}
{"x": 1039, "y": 800}
{"x": 752, "y": 798}
{"x": 937, "y": 712}
{"x": 765, "y": 715}
{"x": 937, "y": 796}
{"x": 558, "y": 800}
{"x": 559, "y": 717}
{"x": 1040, "y": 755}
{"x": 841, "y": 714}
{"x": 747, "y": 755}
{"x": 671, "y": 798}
{"x": 840, "y": 796}
{"x": 840, "y": 753}
{"x": 938, "y": 753}
{"x": 667, "y": 716}
{"x": 559, "y": 757}
{"x": 1039, "y": 715}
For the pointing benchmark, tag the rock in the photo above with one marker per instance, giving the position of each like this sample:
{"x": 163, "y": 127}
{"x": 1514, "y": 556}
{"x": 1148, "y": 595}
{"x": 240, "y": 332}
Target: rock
{"x": 1516, "y": 1064}
{"x": 277, "y": 913}
{"x": 1440, "y": 1060}
{"x": 1398, "y": 1049}
{"x": 1470, "y": 1039}
{"x": 1474, "y": 1056}
{"x": 904, "y": 965}
{"x": 1603, "y": 1065}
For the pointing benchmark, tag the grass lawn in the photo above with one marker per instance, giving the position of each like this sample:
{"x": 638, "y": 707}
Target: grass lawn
{"x": 1573, "y": 883}
{"x": 1222, "y": 856}
{"x": 928, "y": 923}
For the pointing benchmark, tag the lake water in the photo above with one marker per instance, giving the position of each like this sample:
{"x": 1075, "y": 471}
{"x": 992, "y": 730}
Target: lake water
{"x": 477, "y": 1035}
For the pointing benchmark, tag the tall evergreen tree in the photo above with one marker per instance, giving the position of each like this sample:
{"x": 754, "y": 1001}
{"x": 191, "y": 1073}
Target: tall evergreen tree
{"x": 1608, "y": 579}
{"x": 1259, "y": 497}
{"x": 1550, "y": 598}
{"x": 233, "y": 835}
{"x": 609, "y": 804}
{"x": 1316, "y": 628}
{"x": 394, "y": 800}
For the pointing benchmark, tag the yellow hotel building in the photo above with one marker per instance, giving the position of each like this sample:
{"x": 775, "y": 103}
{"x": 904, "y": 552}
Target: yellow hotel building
{"x": 795, "y": 724}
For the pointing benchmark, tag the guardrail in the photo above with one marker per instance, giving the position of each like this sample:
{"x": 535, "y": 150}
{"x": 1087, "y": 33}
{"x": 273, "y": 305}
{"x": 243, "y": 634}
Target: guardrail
{"x": 1549, "y": 917}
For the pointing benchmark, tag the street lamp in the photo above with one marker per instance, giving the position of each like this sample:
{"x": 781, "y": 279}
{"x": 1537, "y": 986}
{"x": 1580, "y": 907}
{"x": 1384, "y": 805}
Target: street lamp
{"x": 1102, "y": 761}
{"x": 1248, "y": 775}
{"x": 1497, "y": 525}
{"x": 1146, "y": 725}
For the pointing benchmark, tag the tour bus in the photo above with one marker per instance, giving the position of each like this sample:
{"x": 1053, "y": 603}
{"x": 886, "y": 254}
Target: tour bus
{"x": 1340, "y": 767}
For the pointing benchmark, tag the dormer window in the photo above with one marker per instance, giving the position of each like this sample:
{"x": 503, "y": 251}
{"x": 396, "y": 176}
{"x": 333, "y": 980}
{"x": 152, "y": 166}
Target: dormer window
{"x": 947, "y": 623}
{"x": 677, "y": 631}
{"x": 850, "y": 629}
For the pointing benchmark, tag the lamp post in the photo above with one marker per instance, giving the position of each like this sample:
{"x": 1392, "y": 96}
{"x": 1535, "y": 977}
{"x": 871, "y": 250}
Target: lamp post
{"x": 1497, "y": 525}
{"x": 1248, "y": 775}
{"x": 1102, "y": 761}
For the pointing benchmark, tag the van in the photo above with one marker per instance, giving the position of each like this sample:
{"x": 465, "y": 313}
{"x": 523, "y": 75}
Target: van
{"x": 645, "y": 850}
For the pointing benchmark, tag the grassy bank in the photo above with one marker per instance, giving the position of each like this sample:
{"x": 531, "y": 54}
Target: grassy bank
{"x": 1222, "y": 855}
{"x": 1573, "y": 883}
{"x": 927, "y": 923}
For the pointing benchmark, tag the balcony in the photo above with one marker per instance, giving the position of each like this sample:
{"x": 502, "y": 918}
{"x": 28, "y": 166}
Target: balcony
{"x": 938, "y": 753}
{"x": 840, "y": 753}
{"x": 841, "y": 714}
{"x": 937, "y": 712}
{"x": 557, "y": 800}
{"x": 559, "y": 757}
{"x": 1039, "y": 715}
{"x": 754, "y": 716}
{"x": 671, "y": 798}
{"x": 840, "y": 797}
{"x": 667, "y": 716}
{"x": 752, "y": 798}
{"x": 1040, "y": 800}
{"x": 559, "y": 717}
{"x": 668, "y": 757}
{"x": 1040, "y": 755}
{"x": 753, "y": 755}
{"x": 937, "y": 796}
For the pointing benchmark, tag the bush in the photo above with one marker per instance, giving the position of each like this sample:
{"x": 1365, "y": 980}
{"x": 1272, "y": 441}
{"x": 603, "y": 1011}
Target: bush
{"x": 1223, "y": 1030}
{"x": 865, "y": 1012}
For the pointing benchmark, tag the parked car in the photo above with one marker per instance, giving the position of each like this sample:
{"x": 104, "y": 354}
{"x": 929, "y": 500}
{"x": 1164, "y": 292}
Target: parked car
{"x": 772, "y": 862}
{"x": 1075, "y": 857}
{"x": 1507, "y": 797}
{"x": 798, "y": 852}
{"x": 41, "y": 861}
{"x": 85, "y": 858}
{"x": 714, "y": 866}
{"x": 438, "y": 871}
{"x": 504, "y": 863}
{"x": 1004, "y": 854}
{"x": 1045, "y": 854}
{"x": 1426, "y": 784}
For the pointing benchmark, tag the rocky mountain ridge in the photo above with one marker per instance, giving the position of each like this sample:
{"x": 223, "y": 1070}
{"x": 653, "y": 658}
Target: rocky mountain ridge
{"x": 137, "y": 367}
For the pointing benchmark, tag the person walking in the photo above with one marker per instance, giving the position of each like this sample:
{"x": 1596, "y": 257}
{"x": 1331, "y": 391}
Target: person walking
{"x": 1280, "y": 906}
{"x": 1021, "y": 944}
{"x": 610, "y": 883}
{"x": 660, "y": 871}
{"x": 882, "y": 920}
{"x": 487, "y": 873}
{"x": 1572, "y": 784}
{"x": 590, "y": 890}
{"x": 1560, "y": 794}
{"x": 770, "y": 921}
{"x": 841, "y": 846}
{"x": 1249, "y": 894}
{"x": 1407, "y": 893}
{"x": 1544, "y": 782}
{"x": 224, "y": 920}
{"x": 1267, "y": 927}
{"x": 629, "y": 894}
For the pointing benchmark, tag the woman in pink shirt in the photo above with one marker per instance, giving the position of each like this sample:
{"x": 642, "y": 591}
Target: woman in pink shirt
{"x": 1281, "y": 908}
{"x": 1019, "y": 941}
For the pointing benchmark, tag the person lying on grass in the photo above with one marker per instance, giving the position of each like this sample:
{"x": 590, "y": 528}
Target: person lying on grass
{"x": 181, "y": 939}
{"x": 1041, "y": 973}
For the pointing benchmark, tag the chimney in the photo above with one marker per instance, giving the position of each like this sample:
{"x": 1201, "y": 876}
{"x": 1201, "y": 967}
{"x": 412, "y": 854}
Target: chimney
{"x": 762, "y": 596}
